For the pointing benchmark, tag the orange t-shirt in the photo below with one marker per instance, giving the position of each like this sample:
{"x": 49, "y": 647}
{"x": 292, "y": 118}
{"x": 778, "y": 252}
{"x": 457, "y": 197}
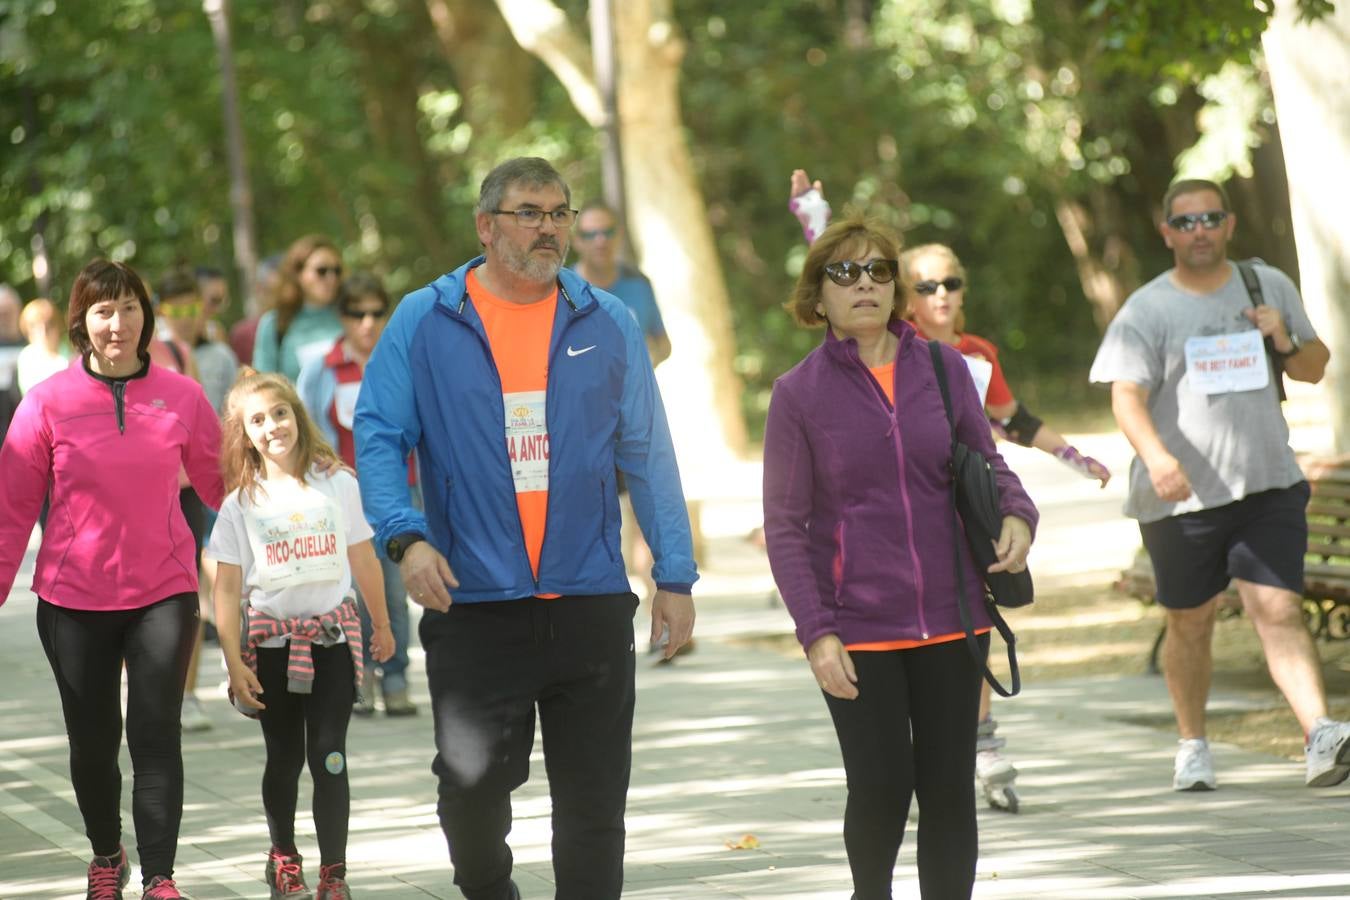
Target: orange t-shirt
{"x": 519, "y": 335}
{"x": 885, "y": 376}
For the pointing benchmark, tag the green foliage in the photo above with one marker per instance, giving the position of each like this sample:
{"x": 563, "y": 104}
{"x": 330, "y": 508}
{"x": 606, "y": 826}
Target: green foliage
{"x": 973, "y": 124}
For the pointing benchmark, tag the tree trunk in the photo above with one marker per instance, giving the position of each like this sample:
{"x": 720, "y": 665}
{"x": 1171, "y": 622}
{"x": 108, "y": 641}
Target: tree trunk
{"x": 495, "y": 77}
{"x": 241, "y": 191}
{"x": 1312, "y": 102}
{"x": 667, "y": 216}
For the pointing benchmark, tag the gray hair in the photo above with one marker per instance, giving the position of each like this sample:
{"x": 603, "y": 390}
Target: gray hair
{"x": 530, "y": 171}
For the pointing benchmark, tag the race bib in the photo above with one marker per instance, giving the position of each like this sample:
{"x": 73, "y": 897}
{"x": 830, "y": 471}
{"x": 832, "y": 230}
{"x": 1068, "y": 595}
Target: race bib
{"x": 298, "y": 540}
{"x": 1227, "y": 363}
{"x": 982, "y": 370}
{"x": 344, "y": 403}
{"x": 527, "y": 440}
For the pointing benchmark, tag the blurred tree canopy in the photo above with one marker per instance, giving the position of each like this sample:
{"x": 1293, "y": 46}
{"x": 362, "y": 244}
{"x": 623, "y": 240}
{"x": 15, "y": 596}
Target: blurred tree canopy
{"x": 1036, "y": 137}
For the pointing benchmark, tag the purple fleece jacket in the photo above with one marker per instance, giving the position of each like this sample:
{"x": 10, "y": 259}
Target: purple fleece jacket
{"x": 857, "y": 494}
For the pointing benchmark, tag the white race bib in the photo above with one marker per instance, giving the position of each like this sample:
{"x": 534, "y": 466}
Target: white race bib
{"x": 344, "y": 403}
{"x": 298, "y": 540}
{"x": 1227, "y": 363}
{"x": 982, "y": 370}
{"x": 527, "y": 439}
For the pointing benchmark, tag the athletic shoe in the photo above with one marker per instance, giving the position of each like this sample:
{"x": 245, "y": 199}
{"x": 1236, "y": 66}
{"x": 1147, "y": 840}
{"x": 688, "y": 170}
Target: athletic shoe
{"x": 333, "y": 883}
{"x": 284, "y": 875}
{"x": 1194, "y": 769}
{"x": 161, "y": 887}
{"x": 194, "y": 717}
{"x": 365, "y": 701}
{"x": 108, "y": 875}
{"x": 1328, "y": 753}
{"x": 396, "y": 703}
{"x": 992, "y": 768}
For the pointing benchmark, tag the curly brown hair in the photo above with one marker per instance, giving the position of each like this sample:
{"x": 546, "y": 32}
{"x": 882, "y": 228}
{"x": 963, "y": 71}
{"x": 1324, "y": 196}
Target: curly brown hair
{"x": 844, "y": 239}
{"x": 242, "y": 462}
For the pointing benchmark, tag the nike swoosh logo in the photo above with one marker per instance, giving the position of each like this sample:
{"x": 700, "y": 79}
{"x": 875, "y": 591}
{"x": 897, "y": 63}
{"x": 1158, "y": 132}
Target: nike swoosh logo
{"x": 571, "y": 352}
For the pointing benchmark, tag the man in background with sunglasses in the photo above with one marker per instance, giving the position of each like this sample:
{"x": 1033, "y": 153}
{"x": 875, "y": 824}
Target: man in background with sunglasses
{"x": 598, "y": 244}
{"x": 1215, "y": 486}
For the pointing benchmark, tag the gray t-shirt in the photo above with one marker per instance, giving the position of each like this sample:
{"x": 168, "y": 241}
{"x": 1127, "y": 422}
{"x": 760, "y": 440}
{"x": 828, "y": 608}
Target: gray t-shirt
{"x": 218, "y": 367}
{"x": 1229, "y": 444}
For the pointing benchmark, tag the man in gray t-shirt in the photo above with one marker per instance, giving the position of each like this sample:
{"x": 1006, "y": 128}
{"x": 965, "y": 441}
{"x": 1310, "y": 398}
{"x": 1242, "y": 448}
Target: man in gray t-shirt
{"x": 1214, "y": 485}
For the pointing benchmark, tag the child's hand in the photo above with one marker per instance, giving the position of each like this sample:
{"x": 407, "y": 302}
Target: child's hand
{"x": 245, "y": 687}
{"x": 382, "y": 643}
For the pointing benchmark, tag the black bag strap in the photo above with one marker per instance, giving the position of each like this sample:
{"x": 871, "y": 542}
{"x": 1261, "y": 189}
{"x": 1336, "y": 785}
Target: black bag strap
{"x": 1247, "y": 268}
{"x": 962, "y": 601}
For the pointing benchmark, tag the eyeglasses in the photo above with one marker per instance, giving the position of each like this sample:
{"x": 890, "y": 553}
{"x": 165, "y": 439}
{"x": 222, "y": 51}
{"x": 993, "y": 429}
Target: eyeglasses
{"x": 847, "y": 272}
{"x": 952, "y": 285}
{"x": 180, "y": 310}
{"x": 529, "y": 217}
{"x": 1187, "y": 221}
{"x": 591, "y": 234}
{"x": 359, "y": 314}
{"x": 325, "y": 271}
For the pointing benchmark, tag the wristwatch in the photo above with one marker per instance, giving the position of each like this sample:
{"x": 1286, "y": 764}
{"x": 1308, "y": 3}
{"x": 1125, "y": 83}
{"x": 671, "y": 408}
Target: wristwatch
{"x": 1295, "y": 345}
{"x": 398, "y": 545}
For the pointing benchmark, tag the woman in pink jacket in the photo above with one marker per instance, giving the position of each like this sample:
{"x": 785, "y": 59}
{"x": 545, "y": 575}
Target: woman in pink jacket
{"x": 116, "y": 574}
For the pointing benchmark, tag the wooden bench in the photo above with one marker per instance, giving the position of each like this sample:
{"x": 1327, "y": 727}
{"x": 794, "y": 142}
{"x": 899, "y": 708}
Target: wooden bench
{"x": 1326, "y": 580}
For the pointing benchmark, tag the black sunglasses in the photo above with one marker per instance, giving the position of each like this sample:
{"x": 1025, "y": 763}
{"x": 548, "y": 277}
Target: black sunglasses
{"x": 1187, "y": 221}
{"x": 591, "y": 234}
{"x": 365, "y": 313}
{"x": 952, "y": 285}
{"x": 325, "y": 271}
{"x": 847, "y": 272}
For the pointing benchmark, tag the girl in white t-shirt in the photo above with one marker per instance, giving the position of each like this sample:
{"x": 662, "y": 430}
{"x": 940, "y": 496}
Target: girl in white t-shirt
{"x": 289, "y": 543}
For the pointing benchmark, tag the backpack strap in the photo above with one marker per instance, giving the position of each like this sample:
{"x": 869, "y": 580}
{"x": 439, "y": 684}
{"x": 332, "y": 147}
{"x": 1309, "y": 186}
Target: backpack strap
{"x": 1247, "y": 267}
{"x": 1009, "y": 639}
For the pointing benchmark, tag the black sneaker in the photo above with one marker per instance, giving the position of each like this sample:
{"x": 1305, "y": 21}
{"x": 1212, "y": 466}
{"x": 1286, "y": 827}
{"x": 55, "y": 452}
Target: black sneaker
{"x": 108, "y": 875}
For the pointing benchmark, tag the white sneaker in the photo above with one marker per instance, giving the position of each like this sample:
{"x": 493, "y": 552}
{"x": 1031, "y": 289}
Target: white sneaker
{"x": 1328, "y": 753}
{"x": 1194, "y": 769}
{"x": 194, "y": 717}
{"x": 992, "y": 769}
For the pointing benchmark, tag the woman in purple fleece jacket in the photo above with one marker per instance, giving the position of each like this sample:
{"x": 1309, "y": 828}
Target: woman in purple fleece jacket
{"x": 858, "y": 525}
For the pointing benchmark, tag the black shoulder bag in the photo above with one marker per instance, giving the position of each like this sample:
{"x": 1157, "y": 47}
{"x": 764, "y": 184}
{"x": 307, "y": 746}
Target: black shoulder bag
{"x": 975, "y": 506}
{"x": 1247, "y": 268}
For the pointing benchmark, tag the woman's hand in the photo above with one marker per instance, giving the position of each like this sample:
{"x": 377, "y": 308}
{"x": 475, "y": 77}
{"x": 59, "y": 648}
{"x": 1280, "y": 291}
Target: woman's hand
{"x": 382, "y": 642}
{"x": 244, "y": 685}
{"x": 833, "y": 667}
{"x": 1012, "y": 546}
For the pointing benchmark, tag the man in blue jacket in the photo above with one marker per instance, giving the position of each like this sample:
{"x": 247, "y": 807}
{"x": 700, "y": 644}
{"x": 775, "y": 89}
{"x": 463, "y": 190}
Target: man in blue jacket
{"x": 523, "y": 388}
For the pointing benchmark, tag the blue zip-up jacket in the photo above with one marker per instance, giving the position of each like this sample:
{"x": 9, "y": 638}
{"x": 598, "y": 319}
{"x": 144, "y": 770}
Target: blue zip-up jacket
{"x": 432, "y": 385}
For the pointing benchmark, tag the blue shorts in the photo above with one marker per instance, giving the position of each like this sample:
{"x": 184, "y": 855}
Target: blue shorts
{"x": 1261, "y": 538}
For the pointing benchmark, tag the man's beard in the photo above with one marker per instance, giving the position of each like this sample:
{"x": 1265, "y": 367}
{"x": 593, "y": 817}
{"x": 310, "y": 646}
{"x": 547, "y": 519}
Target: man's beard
{"x": 523, "y": 262}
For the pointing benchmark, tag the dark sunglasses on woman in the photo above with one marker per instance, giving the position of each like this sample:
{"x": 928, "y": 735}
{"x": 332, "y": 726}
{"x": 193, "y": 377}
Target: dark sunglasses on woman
{"x": 952, "y": 285}
{"x": 847, "y": 272}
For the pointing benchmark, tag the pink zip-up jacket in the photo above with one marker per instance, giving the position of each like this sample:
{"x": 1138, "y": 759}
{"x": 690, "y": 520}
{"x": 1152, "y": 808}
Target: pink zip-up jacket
{"x": 110, "y": 452}
{"x": 857, "y": 494}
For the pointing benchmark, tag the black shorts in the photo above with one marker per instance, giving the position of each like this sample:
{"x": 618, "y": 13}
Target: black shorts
{"x": 1261, "y": 538}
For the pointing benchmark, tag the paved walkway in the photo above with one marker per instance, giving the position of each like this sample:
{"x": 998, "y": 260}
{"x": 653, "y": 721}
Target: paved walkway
{"x": 734, "y": 740}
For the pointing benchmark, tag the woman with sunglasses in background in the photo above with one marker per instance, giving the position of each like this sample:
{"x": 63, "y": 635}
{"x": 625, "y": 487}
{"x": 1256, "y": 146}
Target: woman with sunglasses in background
{"x": 933, "y": 283}
{"x": 328, "y": 387}
{"x": 304, "y": 323}
{"x": 858, "y": 527}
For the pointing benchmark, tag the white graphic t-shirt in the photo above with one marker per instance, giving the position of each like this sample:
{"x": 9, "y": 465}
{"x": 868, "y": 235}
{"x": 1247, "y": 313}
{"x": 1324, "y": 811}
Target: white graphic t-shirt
{"x": 292, "y": 544}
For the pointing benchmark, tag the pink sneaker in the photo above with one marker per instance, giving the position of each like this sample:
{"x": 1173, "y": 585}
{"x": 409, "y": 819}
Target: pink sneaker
{"x": 333, "y": 883}
{"x": 108, "y": 875}
{"x": 161, "y": 887}
{"x": 285, "y": 876}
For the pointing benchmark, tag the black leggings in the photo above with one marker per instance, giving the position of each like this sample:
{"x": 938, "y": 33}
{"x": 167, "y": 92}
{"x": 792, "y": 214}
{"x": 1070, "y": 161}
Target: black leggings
{"x": 911, "y": 731}
{"x": 313, "y": 727}
{"x": 86, "y": 650}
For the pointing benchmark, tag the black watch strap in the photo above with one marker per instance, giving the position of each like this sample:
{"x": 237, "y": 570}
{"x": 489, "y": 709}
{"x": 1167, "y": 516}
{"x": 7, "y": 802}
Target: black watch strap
{"x": 399, "y": 544}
